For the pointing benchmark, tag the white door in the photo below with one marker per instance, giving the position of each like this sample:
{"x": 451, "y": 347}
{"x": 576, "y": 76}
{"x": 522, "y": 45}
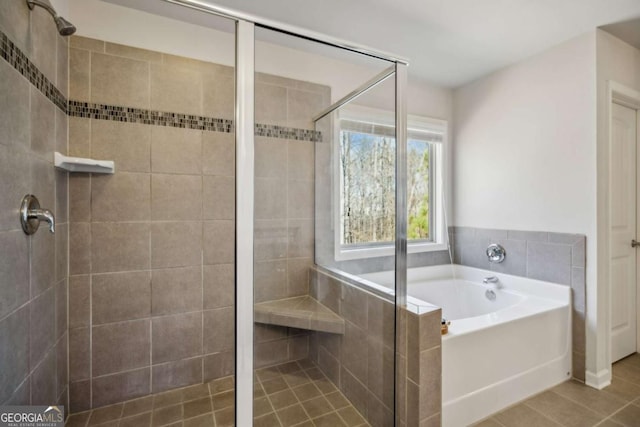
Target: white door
{"x": 623, "y": 212}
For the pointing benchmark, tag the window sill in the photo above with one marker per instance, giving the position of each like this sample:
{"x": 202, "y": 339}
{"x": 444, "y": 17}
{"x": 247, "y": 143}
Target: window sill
{"x": 380, "y": 251}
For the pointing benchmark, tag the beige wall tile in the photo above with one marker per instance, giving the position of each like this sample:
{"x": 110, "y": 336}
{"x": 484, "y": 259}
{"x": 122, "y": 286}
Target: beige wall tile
{"x": 62, "y": 70}
{"x": 13, "y": 185}
{"x": 79, "y": 248}
{"x": 219, "y": 285}
{"x": 79, "y": 74}
{"x": 176, "y": 89}
{"x": 62, "y": 196}
{"x": 219, "y": 242}
{"x": 218, "y": 96}
{"x": 176, "y": 290}
{"x": 119, "y": 247}
{"x": 176, "y": 197}
{"x": 270, "y": 353}
{"x": 120, "y": 387}
{"x": 43, "y": 125}
{"x": 117, "y": 347}
{"x": 79, "y": 354}
{"x": 298, "y": 276}
{"x": 14, "y": 21}
{"x": 43, "y": 381}
{"x": 127, "y": 144}
{"x": 301, "y": 238}
{"x": 219, "y": 331}
{"x": 219, "y": 197}
{"x": 86, "y": 43}
{"x": 270, "y": 281}
{"x": 79, "y": 197}
{"x": 80, "y": 399}
{"x": 218, "y": 153}
{"x": 176, "y": 337}
{"x": 271, "y": 104}
{"x": 301, "y": 155}
{"x": 61, "y": 299}
{"x": 270, "y": 198}
{"x": 176, "y": 374}
{"x": 300, "y": 199}
{"x": 132, "y": 52}
{"x": 14, "y": 351}
{"x": 42, "y": 43}
{"x": 430, "y": 382}
{"x": 219, "y": 365}
{"x": 302, "y": 106}
{"x": 14, "y": 98}
{"x": 119, "y": 81}
{"x": 123, "y": 196}
{"x": 41, "y": 326}
{"x": 176, "y": 150}
{"x": 430, "y": 330}
{"x": 120, "y": 296}
{"x": 79, "y": 301}
{"x": 79, "y": 137}
{"x": 14, "y": 271}
{"x": 270, "y": 239}
{"x": 271, "y": 158}
{"x": 176, "y": 244}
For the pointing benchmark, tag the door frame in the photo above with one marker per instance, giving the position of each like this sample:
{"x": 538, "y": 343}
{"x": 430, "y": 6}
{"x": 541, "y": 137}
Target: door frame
{"x": 628, "y": 97}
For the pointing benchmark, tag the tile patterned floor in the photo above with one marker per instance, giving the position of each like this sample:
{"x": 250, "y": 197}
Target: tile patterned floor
{"x": 287, "y": 395}
{"x": 574, "y": 404}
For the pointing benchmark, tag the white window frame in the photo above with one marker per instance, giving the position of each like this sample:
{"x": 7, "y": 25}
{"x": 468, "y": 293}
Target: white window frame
{"x": 420, "y": 123}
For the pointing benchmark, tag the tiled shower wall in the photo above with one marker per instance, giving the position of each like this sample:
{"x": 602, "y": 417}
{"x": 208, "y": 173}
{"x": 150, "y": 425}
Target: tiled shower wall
{"x": 151, "y": 262}
{"x": 552, "y": 257}
{"x": 33, "y": 269}
{"x": 360, "y": 362}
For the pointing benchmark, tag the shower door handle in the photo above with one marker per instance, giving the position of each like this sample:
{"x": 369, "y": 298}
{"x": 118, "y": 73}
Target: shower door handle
{"x": 634, "y": 243}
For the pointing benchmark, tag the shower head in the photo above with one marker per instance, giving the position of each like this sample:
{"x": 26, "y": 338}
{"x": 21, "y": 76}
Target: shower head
{"x": 65, "y": 28}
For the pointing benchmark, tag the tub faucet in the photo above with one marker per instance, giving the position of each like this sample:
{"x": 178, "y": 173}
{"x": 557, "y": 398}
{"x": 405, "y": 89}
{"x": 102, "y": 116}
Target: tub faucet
{"x": 493, "y": 280}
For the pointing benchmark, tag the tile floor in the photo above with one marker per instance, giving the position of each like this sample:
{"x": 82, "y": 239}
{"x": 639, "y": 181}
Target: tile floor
{"x": 574, "y": 404}
{"x": 287, "y": 395}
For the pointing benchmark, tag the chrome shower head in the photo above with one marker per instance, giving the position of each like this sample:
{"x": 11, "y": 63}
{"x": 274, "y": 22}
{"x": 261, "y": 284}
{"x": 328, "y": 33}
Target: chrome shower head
{"x": 65, "y": 28}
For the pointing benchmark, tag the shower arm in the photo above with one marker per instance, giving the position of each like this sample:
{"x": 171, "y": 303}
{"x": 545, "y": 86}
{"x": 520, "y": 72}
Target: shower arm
{"x": 34, "y": 3}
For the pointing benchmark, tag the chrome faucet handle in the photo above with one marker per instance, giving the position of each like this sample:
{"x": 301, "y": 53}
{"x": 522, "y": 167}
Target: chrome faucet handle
{"x": 31, "y": 214}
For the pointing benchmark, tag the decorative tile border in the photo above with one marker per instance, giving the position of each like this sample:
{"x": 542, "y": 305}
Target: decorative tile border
{"x": 148, "y": 117}
{"x": 274, "y": 131}
{"x": 21, "y": 63}
{"x": 159, "y": 118}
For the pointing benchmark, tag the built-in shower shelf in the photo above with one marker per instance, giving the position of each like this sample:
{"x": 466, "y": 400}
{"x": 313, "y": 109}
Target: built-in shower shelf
{"x": 81, "y": 164}
{"x": 299, "y": 312}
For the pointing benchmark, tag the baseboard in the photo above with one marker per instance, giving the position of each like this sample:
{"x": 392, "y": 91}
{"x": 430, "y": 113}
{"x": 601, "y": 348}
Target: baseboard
{"x": 599, "y": 380}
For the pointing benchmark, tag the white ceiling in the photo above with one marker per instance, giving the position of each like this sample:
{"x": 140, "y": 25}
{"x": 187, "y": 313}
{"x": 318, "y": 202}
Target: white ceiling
{"x": 448, "y": 42}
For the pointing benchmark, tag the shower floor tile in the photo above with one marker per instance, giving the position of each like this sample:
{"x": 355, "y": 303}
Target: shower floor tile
{"x": 286, "y": 395}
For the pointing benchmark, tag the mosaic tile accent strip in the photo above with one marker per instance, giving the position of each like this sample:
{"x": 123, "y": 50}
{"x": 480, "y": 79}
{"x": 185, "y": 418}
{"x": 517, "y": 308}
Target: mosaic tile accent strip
{"x": 274, "y": 131}
{"x": 21, "y": 63}
{"x": 148, "y": 117}
{"x": 159, "y": 118}
{"x": 18, "y": 60}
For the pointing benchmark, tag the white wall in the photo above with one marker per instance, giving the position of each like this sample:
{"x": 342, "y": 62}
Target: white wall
{"x": 524, "y": 150}
{"x": 617, "y": 62}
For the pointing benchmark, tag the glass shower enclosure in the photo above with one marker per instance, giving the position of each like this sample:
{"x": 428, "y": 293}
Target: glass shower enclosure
{"x": 320, "y": 198}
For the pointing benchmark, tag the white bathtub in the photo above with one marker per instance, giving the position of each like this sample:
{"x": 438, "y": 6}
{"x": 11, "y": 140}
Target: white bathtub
{"x": 497, "y": 352}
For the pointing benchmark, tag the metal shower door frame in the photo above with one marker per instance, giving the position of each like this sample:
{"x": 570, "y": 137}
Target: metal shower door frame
{"x": 244, "y": 135}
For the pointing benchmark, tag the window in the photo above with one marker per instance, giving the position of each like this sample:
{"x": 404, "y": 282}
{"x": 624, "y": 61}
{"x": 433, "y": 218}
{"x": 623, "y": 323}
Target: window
{"x": 366, "y": 188}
